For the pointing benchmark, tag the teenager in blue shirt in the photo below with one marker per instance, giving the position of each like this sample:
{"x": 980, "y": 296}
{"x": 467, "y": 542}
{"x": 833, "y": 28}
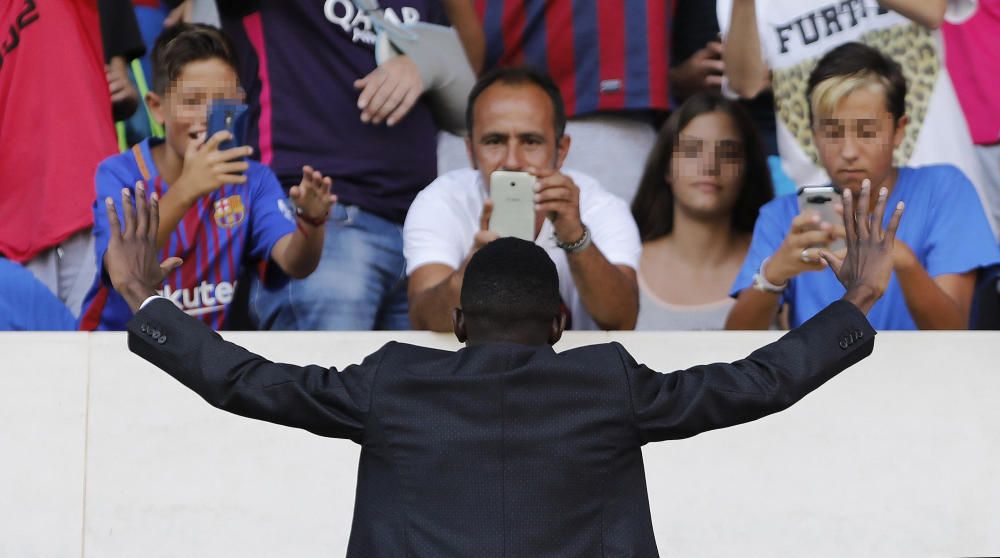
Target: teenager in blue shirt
{"x": 217, "y": 211}
{"x": 857, "y": 106}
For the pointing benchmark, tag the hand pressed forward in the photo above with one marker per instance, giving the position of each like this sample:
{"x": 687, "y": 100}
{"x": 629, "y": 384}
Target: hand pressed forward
{"x": 131, "y": 258}
{"x": 867, "y": 266}
{"x": 312, "y": 197}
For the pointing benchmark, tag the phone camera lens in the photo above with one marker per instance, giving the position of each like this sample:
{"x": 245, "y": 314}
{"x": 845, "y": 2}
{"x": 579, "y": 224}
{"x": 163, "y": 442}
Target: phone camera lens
{"x": 512, "y": 184}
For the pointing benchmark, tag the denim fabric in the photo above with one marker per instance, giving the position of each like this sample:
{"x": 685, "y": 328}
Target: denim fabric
{"x": 360, "y": 283}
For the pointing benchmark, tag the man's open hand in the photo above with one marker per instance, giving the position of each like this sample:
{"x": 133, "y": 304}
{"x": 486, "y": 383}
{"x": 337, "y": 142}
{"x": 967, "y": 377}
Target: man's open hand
{"x": 866, "y": 268}
{"x": 131, "y": 258}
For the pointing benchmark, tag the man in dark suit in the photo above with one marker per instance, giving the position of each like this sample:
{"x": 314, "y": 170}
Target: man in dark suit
{"x": 504, "y": 448}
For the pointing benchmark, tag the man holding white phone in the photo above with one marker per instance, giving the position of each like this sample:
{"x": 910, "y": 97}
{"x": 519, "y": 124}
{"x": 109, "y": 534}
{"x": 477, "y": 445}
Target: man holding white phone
{"x": 516, "y": 122}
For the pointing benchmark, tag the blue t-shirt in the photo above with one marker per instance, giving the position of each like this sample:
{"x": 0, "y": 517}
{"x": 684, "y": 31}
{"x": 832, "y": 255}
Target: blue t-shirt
{"x": 943, "y": 223}
{"x": 28, "y": 305}
{"x": 237, "y": 222}
{"x": 299, "y": 60}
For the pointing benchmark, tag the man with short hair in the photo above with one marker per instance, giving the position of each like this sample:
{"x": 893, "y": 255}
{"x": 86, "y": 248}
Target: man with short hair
{"x": 516, "y": 122}
{"x": 504, "y": 448}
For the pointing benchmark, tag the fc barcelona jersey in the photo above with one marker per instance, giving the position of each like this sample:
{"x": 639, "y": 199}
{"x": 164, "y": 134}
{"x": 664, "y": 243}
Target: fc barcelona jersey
{"x": 235, "y": 224}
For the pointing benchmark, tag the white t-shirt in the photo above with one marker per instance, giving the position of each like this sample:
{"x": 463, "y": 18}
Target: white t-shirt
{"x": 444, "y": 218}
{"x": 795, "y": 34}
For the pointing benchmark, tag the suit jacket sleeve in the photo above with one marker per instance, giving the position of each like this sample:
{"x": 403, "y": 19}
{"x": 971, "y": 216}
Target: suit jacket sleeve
{"x": 320, "y": 400}
{"x": 688, "y": 402}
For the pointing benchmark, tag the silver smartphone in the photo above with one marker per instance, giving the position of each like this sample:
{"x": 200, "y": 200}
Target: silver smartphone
{"x": 823, "y": 200}
{"x": 513, "y": 195}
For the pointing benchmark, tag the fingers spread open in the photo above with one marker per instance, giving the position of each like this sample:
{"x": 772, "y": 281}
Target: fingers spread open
{"x": 141, "y": 213}
{"x": 879, "y": 215}
{"x": 897, "y": 215}
{"x": 154, "y": 216}
{"x": 114, "y": 224}
{"x": 850, "y": 218}
{"x": 863, "y": 206}
{"x": 129, "y": 212}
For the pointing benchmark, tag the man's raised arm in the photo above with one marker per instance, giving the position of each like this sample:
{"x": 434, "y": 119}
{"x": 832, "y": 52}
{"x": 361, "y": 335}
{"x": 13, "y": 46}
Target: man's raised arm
{"x": 323, "y": 401}
{"x": 685, "y": 403}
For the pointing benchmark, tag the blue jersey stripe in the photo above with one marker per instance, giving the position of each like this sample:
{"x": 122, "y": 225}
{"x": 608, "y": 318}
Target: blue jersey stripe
{"x": 636, "y": 55}
{"x": 493, "y": 29}
{"x": 588, "y": 78}
{"x": 211, "y": 238}
{"x": 535, "y": 36}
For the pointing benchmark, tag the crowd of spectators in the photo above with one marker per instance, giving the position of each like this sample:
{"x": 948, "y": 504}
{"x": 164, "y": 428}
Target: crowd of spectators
{"x": 354, "y": 202}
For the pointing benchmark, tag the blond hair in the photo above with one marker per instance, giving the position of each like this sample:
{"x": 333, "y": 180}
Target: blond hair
{"x": 829, "y": 93}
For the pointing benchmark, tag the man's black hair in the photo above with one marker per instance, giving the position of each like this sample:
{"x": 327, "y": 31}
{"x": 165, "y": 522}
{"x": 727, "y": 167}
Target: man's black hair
{"x": 854, "y": 58}
{"x": 181, "y": 44}
{"x": 520, "y": 76}
{"x": 508, "y": 282}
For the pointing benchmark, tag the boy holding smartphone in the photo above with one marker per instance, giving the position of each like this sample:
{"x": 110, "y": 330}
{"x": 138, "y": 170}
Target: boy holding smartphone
{"x": 857, "y": 106}
{"x": 218, "y": 210}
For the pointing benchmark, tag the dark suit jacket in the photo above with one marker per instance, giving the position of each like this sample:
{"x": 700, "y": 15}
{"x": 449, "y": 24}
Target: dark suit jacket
{"x": 501, "y": 450}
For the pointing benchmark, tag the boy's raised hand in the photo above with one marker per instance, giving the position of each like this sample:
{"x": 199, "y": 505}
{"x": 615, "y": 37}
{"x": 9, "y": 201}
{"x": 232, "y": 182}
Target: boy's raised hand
{"x": 312, "y": 197}
{"x": 206, "y": 168}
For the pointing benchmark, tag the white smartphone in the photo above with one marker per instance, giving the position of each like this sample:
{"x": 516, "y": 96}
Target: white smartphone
{"x": 823, "y": 200}
{"x": 513, "y": 195}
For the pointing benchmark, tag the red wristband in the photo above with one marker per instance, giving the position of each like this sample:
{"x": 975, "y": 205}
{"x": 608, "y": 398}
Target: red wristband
{"x": 318, "y": 222}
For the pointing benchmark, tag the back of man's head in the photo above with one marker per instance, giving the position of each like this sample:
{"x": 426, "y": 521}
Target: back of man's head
{"x": 510, "y": 288}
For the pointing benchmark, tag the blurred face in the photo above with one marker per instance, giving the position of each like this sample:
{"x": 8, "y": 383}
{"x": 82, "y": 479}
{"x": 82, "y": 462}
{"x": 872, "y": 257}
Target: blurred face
{"x": 513, "y": 129}
{"x": 183, "y": 108}
{"x": 857, "y": 140}
{"x": 707, "y": 167}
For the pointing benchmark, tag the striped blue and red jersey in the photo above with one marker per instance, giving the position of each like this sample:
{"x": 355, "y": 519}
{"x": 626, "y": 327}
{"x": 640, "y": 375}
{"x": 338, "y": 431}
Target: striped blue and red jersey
{"x": 605, "y": 55}
{"x": 233, "y": 225}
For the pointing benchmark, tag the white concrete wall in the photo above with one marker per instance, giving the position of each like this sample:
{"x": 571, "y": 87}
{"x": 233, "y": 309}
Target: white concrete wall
{"x": 103, "y": 456}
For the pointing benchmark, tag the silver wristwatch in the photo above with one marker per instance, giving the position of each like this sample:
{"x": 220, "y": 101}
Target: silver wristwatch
{"x": 761, "y": 283}
{"x": 579, "y": 246}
